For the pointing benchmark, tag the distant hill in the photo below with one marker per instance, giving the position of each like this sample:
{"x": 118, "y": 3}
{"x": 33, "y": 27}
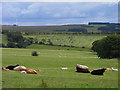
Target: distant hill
{"x": 91, "y": 27}
{"x": 41, "y": 28}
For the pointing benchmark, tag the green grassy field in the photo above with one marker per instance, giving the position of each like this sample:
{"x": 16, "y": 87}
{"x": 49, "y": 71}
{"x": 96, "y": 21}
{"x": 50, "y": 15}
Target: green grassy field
{"x": 50, "y": 61}
{"x": 71, "y": 40}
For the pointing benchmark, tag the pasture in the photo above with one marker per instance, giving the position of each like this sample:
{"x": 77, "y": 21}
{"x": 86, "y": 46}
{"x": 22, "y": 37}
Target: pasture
{"x": 50, "y": 61}
{"x": 70, "y": 40}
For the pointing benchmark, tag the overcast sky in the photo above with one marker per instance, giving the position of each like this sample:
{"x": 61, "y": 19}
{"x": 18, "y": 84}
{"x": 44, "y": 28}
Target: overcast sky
{"x": 58, "y": 13}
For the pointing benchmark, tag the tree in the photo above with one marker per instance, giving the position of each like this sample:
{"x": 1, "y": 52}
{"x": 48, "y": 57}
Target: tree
{"x": 16, "y": 40}
{"x": 108, "y": 47}
{"x": 11, "y": 45}
{"x": 15, "y": 37}
{"x": 50, "y": 42}
{"x": 22, "y": 45}
{"x": 28, "y": 41}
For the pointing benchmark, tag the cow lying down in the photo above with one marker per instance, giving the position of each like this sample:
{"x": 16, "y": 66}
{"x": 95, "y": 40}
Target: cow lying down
{"x": 98, "y": 72}
{"x": 82, "y": 68}
{"x": 20, "y": 68}
{"x": 11, "y": 67}
{"x": 23, "y": 68}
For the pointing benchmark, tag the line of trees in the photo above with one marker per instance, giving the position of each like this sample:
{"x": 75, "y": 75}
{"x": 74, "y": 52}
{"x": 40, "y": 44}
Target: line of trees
{"x": 71, "y": 32}
{"x": 16, "y": 40}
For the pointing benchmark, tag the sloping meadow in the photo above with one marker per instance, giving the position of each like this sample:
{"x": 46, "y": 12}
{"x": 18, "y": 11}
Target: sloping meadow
{"x": 69, "y": 40}
{"x": 50, "y": 61}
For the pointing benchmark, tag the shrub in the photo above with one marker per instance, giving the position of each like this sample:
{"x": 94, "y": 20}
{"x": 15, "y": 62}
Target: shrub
{"x": 82, "y": 47}
{"x": 34, "y": 53}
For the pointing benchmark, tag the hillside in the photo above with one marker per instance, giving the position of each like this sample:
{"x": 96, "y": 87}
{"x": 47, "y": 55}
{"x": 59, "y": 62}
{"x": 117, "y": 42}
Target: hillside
{"x": 89, "y": 28}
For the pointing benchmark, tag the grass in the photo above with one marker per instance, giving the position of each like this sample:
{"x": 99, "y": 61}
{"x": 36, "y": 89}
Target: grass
{"x": 74, "y": 40}
{"x": 50, "y": 61}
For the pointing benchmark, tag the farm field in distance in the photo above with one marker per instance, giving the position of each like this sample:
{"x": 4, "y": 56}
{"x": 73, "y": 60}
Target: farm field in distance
{"x": 70, "y": 40}
{"x": 50, "y": 61}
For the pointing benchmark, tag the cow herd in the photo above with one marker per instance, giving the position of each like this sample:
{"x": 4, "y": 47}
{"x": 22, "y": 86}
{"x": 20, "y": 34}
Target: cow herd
{"x": 84, "y": 69}
{"x": 79, "y": 68}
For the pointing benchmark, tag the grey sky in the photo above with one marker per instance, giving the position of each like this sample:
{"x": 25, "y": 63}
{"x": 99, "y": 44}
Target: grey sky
{"x": 57, "y": 13}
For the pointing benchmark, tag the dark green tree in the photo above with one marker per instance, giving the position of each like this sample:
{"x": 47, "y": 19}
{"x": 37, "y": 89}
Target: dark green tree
{"x": 15, "y": 37}
{"x": 108, "y": 47}
{"x": 50, "y": 42}
{"x": 11, "y": 45}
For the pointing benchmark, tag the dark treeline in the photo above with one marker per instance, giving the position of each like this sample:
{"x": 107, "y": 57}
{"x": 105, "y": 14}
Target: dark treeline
{"x": 52, "y": 33}
{"x": 109, "y": 28}
{"x": 83, "y": 30}
{"x": 16, "y": 40}
{"x": 70, "y": 33}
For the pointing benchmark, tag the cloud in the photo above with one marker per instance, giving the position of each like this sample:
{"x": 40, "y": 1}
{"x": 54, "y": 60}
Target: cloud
{"x": 60, "y": 0}
{"x": 10, "y": 10}
{"x": 58, "y": 10}
{"x": 58, "y": 13}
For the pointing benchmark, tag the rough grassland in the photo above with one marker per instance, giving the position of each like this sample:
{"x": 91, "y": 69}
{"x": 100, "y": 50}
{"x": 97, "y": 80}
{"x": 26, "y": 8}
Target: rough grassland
{"x": 71, "y": 40}
{"x": 50, "y": 62}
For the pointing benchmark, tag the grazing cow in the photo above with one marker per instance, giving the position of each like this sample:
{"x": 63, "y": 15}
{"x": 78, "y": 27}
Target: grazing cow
{"x": 82, "y": 68}
{"x": 11, "y": 67}
{"x": 98, "y": 72}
